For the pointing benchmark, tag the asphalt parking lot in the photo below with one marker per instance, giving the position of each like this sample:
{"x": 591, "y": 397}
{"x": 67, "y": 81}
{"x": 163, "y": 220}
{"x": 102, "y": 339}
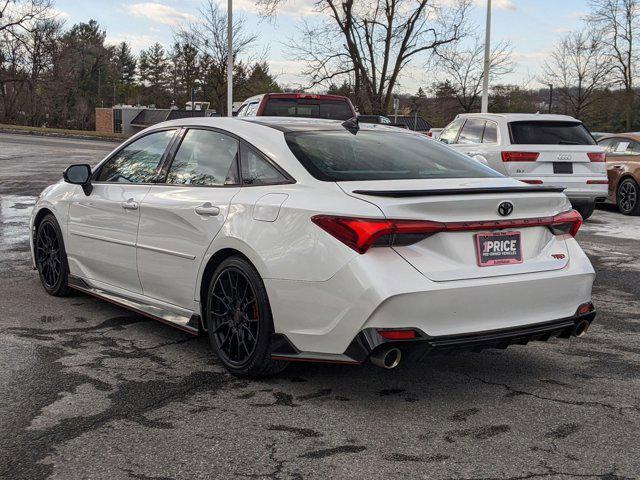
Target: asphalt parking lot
{"x": 89, "y": 390}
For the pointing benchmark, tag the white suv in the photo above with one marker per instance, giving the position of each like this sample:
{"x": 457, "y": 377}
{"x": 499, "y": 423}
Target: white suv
{"x": 554, "y": 150}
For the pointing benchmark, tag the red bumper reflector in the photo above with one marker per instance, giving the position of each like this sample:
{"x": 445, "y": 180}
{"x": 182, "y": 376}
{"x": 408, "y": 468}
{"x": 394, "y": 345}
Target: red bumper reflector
{"x": 397, "y": 334}
{"x": 597, "y": 182}
{"x": 585, "y": 308}
{"x": 532, "y": 182}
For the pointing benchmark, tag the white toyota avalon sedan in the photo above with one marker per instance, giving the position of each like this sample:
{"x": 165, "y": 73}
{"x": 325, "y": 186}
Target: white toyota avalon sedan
{"x": 292, "y": 239}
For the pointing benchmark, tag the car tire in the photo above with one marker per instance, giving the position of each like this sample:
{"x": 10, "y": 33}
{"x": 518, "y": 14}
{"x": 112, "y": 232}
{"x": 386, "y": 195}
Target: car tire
{"x": 628, "y": 197}
{"x": 51, "y": 257}
{"x": 239, "y": 321}
{"x": 586, "y": 210}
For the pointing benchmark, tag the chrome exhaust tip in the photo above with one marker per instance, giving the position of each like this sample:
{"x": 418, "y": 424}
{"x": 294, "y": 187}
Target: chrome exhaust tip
{"x": 581, "y": 328}
{"x": 386, "y": 358}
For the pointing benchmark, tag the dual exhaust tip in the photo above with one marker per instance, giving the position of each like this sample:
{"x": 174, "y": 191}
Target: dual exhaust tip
{"x": 390, "y": 357}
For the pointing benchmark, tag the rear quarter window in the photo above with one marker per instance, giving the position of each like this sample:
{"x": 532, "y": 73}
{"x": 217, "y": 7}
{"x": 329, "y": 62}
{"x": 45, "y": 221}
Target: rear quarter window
{"x": 549, "y": 133}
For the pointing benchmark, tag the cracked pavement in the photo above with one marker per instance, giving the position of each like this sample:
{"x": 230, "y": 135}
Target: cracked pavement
{"x": 89, "y": 390}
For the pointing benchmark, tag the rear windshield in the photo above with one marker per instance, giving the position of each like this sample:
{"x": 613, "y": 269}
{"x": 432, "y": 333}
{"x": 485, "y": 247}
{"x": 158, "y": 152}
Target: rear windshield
{"x": 339, "y": 156}
{"x": 550, "y": 133}
{"x": 307, "y": 108}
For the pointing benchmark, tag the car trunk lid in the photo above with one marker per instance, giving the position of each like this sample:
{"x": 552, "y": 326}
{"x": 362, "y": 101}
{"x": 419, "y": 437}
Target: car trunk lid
{"x": 453, "y": 255}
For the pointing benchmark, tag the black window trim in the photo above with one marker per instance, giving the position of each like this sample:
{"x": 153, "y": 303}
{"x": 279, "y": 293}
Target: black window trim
{"x": 98, "y": 169}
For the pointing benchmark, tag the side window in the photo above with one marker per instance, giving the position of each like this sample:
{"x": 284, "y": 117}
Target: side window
{"x": 621, "y": 147}
{"x": 138, "y": 162}
{"x": 241, "y": 111}
{"x": 490, "y": 133}
{"x": 205, "y": 158}
{"x": 252, "y": 109}
{"x": 634, "y": 148}
{"x": 606, "y": 144}
{"x": 450, "y": 132}
{"x": 257, "y": 171}
{"x": 472, "y": 131}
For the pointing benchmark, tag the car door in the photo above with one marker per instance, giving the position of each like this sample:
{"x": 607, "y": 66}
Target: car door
{"x": 102, "y": 226}
{"x": 180, "y": 218}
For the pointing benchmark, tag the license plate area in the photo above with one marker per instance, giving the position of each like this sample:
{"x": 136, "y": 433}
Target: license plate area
{"x": 562, "y": 167}
{"x": 498, "y": 248}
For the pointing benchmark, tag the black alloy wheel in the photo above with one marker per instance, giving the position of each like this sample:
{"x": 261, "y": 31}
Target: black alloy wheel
{"x": 51, "y": 258}
{"x": 239, "y": 320}
{"x": 628, "y": 198}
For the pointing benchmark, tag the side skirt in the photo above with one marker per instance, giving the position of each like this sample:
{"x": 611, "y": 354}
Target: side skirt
{"x": 187, "y": 322}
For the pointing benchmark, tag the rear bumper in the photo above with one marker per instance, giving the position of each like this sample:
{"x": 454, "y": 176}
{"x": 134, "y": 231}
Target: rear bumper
{"x": 382, "y": 290}
{"x": 368, "y": 341}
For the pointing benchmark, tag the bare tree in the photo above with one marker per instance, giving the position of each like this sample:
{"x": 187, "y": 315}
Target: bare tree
{"x": 618, "y": 21}
{"x": 371, "y": 42}
{"x": 464, "y": 68}
{"x": 209, "y": 37}
{"x": 19, "y": 15}
{"x": 578, "y": 67}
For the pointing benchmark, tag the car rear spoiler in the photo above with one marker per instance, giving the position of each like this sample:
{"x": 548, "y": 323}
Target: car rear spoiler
{"x": 458, "y": 191}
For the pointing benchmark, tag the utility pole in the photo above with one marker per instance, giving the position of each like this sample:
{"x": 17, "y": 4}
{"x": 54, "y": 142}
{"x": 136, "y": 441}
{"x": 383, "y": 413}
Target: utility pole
{"x": 550, "y": 96}
{"x": 230, "y": 58}
{"x": 487, "y": 61}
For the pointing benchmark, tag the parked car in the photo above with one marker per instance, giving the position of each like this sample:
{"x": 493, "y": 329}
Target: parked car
{"x": 554, "y": 150}
{"x": 623, "y": 168}
{"x": 286, "y": 239}
{"x": 305, "y": 105}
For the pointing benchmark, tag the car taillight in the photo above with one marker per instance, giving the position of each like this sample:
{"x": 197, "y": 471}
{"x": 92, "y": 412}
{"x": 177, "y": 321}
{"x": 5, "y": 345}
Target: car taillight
{"x": 361, "y": 234}
{"x": 520, "y": 156}
{"x": 566, "y": 222}
{"x": 596, "y": 156}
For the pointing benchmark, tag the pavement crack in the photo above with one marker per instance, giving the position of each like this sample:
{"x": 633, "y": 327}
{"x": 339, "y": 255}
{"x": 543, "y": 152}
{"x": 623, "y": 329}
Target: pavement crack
{"x": 578, "y": 403}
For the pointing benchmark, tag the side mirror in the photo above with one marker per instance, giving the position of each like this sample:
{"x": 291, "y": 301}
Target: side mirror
{"x": 79, "y": 175}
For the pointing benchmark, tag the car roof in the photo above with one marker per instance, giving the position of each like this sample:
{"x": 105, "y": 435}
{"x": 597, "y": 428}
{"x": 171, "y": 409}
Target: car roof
{"x": 300, "y": 124}
{"x": 520, "y": 117}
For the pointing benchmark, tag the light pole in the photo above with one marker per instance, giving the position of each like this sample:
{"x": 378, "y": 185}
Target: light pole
{"x": 230, "y": 58}
{"x": 484, "y": 107}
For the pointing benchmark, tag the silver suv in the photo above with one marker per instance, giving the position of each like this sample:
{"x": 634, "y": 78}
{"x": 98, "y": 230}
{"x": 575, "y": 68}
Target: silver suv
{"x": 555, "y": 150}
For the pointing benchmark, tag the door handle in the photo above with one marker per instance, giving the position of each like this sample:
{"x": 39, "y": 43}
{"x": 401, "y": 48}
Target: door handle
{"x": 207, "y": 210}
{"x": 617, "y": 166}
{"x": 130, "y": 205}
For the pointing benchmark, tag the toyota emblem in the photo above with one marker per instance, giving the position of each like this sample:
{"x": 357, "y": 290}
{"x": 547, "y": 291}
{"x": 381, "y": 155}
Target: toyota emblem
{"x": 505, "y": 209}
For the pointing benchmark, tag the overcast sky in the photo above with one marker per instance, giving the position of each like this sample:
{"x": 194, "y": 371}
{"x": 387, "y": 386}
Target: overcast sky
{"x": 531, "y": 26}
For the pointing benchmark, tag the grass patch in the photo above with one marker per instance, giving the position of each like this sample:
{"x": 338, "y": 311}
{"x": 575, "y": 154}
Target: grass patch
{"x": 61, "y": 132}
